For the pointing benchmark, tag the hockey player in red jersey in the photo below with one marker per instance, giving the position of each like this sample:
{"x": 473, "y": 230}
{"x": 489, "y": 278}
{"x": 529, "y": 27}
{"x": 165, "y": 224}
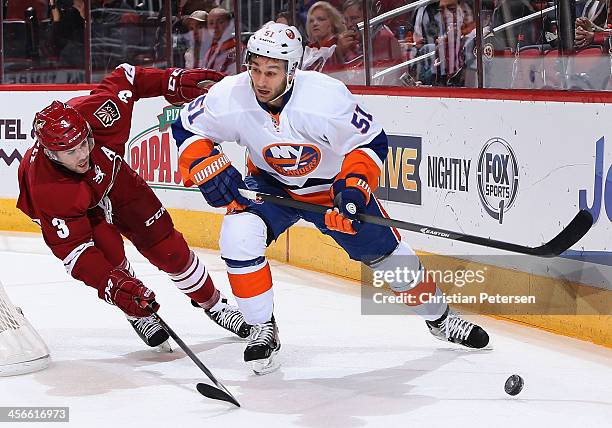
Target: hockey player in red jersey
{"x": 74, "y": 183}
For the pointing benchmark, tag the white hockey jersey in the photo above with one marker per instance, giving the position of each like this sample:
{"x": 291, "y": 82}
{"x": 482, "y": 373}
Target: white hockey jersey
{"x": 303, "y": 147}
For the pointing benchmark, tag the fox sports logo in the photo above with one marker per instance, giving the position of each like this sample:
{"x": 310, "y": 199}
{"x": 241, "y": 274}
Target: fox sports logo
{"x": 498, "y": 177}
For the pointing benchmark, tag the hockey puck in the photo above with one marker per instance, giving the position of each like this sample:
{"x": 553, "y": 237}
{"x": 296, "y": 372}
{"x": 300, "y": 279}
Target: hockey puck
{"x": 514, "y": 384}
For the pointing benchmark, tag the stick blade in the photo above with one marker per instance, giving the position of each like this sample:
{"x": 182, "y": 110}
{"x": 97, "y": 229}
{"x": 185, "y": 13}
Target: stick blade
{"x": 574, "y": 231}
{"x": 216, "y": 394}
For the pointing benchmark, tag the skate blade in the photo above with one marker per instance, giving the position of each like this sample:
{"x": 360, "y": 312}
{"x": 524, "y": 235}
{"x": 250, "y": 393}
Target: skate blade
{"x": 265, "y": 365}
{"x": 459, "y": 347}
{"x": 164, "y": 347}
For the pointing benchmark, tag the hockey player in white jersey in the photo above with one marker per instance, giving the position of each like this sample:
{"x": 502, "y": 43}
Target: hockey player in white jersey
{"x": 306, "y": 138}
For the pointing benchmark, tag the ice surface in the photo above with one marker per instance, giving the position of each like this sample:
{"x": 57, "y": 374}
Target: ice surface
{"x": 339, "y": 368}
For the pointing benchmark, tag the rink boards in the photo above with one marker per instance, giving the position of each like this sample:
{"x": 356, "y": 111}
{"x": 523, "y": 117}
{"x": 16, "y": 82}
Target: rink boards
{"x": 512, "y": 170}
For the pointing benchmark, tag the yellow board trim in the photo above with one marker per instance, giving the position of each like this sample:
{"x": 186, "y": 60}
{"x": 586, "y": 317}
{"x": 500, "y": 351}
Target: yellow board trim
{"x": 308, "y": 248}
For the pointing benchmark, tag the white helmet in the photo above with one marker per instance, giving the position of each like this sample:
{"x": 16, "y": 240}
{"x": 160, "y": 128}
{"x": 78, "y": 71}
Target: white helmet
{"x": 278, "y": 41}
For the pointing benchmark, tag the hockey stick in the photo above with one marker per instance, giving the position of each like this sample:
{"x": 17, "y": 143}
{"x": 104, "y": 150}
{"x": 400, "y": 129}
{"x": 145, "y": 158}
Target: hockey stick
{"x": 572, "y": 233}
{"x": 218, "y": 393}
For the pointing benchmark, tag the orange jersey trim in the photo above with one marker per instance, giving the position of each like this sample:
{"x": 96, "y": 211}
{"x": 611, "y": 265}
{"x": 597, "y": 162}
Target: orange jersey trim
{"x": 251, "y": 168}
{"x": 358, "y": 162}
{"x": 197, "y": 149}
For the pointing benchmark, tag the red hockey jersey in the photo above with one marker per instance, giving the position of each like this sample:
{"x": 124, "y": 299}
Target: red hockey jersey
{"x": 64, "y": 202}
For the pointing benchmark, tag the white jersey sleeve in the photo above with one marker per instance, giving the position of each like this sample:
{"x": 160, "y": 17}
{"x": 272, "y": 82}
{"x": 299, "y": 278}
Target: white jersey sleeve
{"x": 205, "y": 116}
{"x": 349, "y": 126}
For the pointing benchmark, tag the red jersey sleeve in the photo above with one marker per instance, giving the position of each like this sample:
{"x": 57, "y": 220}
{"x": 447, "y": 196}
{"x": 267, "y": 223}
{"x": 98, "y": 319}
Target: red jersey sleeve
{"x": 142, "y": 82}
{"x": 108, "y": 109}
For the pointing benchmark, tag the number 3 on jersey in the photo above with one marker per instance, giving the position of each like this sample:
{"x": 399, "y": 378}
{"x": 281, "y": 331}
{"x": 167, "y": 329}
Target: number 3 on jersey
{"x": 361, "y": 120}
{"x": 62, "y": 228}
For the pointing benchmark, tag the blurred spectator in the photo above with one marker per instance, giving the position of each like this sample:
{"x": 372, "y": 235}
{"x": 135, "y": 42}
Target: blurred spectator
{"x": 323, "y": 26}
{"x": 182, "y": 31}
{"x": 385, "y": 47}
{"x": 537, "y": 31}
{"x": 595, "y": 11}
{"x": 221, "y": 56}
{"x": 284, "y": 18}
{"x": 199, "y": 40}
{"x": 68, "y": 18}
{"x": 438, "y": 27}
{"x": 398, "y": 21}
{"x": 590, "y": 25}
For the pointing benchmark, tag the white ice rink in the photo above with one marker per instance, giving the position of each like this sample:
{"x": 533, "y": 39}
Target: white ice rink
{"x": 339, "y": 368}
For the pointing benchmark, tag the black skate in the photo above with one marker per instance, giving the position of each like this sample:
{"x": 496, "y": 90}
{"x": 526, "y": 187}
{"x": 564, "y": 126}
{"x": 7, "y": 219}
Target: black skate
{"x": 227, "y": 316}
{"x": 151, "y": 332}
{"x": 263, "y": 346}
{"x": 452, "y": 328}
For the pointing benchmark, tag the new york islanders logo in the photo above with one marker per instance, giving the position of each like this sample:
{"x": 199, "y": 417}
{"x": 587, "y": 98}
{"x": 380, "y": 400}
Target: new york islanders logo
{"x": 292, "y": 160}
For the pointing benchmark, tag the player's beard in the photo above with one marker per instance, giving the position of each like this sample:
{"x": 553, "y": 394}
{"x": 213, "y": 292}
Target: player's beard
{"x": 277, "y": 94}
{"x": 270, "y": 97}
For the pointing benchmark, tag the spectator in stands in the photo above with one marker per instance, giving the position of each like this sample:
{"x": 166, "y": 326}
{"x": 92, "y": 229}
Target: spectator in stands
{"x": 199, "y": 40}
{"x": 323, "y": 26}
{"x": 182, "y": 31}
{"x": 591, "y": 25}
{"x": 385, "y": 47}
{"x": 68, "y": 31}
{"x": 400, "y": 20}
{"x": 284, "y": 18}
{"x": 595, "y": 11}
{"x": 221, "y": 56}
{"x": 438, "y": 27}
{"x": 538, "y": 31}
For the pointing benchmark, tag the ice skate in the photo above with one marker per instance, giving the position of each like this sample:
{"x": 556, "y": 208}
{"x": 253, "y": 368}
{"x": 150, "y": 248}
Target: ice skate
{"x": 263, "y": 347}
{"x": 452, "y": 328}
{"x": 151, "y": 332}
{"x": 227, "y": 316}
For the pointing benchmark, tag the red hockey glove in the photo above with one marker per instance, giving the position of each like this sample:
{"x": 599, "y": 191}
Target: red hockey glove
{"x": 186, "y": 85}
{"x": 125, "y": 292}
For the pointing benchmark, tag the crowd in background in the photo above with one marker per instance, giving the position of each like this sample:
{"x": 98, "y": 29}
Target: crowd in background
{"x": 433, "y": 44}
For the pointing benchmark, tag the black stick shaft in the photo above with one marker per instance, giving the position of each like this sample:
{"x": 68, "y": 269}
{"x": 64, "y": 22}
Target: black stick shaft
{"x": 190, "y": 353}
{"x": 577, "y": 228}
